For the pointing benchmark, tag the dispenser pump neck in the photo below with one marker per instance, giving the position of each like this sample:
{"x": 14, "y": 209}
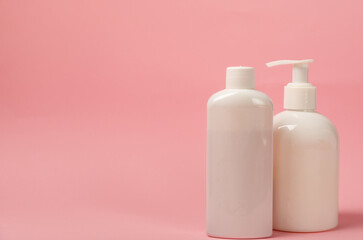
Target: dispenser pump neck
{"x": 299, "y": 94}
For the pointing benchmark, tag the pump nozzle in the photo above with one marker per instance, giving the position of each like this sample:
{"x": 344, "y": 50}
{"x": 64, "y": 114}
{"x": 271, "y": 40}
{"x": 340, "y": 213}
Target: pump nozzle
{"x": 299, "y": 71}
{"x": 299, "y": 95}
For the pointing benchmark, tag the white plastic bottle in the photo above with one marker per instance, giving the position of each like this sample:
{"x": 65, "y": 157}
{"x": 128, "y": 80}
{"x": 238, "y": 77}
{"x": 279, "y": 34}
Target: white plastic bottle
{"x": 306, "y": 154}
{"x": 239, "y": 159}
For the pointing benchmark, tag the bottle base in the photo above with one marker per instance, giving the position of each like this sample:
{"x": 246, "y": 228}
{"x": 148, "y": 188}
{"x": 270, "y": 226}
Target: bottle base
{"x": 297, "y": 230}
{"x": 239, "y": 237}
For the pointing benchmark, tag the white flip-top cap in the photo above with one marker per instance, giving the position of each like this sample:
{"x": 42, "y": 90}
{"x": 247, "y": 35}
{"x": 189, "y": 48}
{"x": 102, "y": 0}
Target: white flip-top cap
{"x": 240, "y": 77}
{"x": 300, "y": 94}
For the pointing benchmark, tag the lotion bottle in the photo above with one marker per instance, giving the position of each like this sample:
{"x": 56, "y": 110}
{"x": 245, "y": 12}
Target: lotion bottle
{"x": 306, "y": 154}
{"x": 239, "y": 159}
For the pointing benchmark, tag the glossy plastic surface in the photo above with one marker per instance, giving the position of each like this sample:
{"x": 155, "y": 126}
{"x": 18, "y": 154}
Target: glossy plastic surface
{"x": 239, "y": 164}
{"x": 306, "y": 154}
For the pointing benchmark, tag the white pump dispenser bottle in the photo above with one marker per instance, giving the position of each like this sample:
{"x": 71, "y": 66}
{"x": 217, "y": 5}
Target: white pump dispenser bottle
{"x": 306, "y": 155}
{"x": 239, "y": 159}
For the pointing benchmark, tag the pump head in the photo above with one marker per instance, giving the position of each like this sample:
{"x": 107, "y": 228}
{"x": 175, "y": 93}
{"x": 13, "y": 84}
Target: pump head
{"x": 299, "y": 94}
{"x": 300, "y": 69}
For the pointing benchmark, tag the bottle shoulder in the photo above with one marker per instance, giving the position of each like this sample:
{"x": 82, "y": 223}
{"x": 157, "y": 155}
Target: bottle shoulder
{"x": 299, "y": 121}
{"x": 241, "y": 97}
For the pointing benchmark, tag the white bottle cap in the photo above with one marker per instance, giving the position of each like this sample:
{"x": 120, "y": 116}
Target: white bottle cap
{"x": 300, "y": 94}
{"x": 240, "y": 77}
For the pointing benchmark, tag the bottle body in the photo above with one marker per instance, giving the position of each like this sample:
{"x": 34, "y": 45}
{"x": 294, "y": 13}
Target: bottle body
{"x": 306, "y": 156}
{"x": 239, "y": 164}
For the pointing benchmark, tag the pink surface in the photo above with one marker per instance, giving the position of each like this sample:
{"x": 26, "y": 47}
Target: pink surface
{"x": 103, "y": 107}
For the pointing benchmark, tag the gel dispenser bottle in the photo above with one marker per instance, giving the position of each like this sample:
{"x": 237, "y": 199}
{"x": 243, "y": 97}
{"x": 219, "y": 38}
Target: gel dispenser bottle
{"x": 306, "y": 155}
{"x": 239, "y": 159}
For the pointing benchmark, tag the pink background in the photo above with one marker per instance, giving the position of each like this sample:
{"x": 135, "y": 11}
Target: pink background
{"x": 103, "y": 107}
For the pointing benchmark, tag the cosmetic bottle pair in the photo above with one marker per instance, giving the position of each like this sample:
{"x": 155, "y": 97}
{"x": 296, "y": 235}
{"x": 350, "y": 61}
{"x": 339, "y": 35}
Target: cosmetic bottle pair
{"x": 266, "y": 172}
